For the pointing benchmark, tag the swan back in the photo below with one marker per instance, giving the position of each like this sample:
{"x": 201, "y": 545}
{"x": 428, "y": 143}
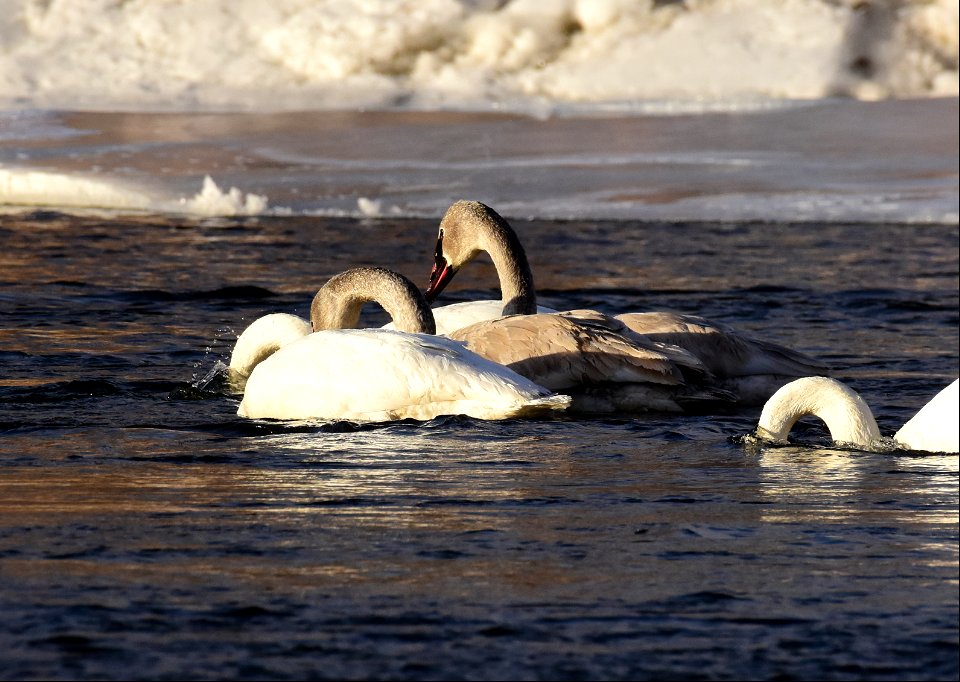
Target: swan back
{"x": 560, "y": 353}
{"x": 752, "y": 368}
{"x": 338, "y": 303}
{"x": 935, "y": 427}
{"x": 264, "y": 337}
{"x": 845, "y": 413}
{"x": 725, "y": 351}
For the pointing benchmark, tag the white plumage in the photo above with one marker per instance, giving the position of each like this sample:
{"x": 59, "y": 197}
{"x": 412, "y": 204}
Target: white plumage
{"x": 374, "y": 374}
{"x": 848, "y": 417}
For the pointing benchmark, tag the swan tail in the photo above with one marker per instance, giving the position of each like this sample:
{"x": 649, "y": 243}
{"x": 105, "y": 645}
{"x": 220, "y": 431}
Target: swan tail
{"x": 772, "y": 358}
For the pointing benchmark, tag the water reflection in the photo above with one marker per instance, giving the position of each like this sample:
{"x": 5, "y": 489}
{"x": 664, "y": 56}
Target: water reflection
{"x": 410, "y": 468}
{"x": 823, "y": 484}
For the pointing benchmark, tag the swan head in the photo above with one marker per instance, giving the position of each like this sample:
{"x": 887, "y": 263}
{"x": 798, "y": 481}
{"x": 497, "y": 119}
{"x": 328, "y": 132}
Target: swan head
{"x": 469, "y": 228}
{"x": 441, "y": 274}
{"x": 338, "y": 303}
{"x": 457, "y": 242}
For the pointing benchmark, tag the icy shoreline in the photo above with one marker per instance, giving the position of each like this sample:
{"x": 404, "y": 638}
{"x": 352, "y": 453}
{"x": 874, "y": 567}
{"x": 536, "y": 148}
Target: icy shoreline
{"x": 836, "y": 161}
{"x": 524, "y": 56}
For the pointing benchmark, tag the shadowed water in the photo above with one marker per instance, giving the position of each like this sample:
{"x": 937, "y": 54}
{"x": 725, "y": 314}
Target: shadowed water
{"x": 148, "y": 532}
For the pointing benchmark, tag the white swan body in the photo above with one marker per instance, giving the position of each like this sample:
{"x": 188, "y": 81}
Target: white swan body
{"x": 380, "y": 375}
{"x": 850, "y": 420}
{"x": 936, "y": 427}
{"x": 750, "y": 367}
{"x": 376, "y": 374}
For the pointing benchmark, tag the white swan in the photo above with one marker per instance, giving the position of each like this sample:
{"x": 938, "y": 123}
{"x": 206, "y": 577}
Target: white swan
{"x": 935, "y": 427}
{"x": 750, "y": 367}
{"x": 849, "y": 419}
{"x": 375, "y": 374}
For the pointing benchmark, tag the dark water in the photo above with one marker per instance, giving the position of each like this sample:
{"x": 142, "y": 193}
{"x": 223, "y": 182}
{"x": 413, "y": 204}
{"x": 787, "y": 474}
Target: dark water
{"x": 147, "y": 532}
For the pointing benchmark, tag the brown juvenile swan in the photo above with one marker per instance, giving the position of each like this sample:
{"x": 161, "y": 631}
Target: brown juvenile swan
{"x": 753, "y": 369}
{"x": 595, "y": 358}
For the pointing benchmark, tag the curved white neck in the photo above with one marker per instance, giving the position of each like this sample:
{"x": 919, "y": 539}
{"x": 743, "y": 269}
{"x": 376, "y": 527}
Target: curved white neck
{"x": 264, "y": 337}
{"x": 845, "y": 413}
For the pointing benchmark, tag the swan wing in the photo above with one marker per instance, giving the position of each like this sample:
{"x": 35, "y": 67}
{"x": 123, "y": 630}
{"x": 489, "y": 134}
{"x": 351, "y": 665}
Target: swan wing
{"x": 559, "y": 353}
{"x": 687, "y": 362}
{"x": 724, "y": 351}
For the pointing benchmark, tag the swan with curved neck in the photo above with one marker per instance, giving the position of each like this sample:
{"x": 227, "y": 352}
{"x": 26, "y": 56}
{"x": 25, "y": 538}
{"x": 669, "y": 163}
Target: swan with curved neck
{"x": 338, "y": 303}
{"x": 496, "y": 238}
{"x": 470, "y": 227}
{"x": 752, "y": 368}
{"x": 598, "y": 360}
{"x": 378, "y": 374}
{"x": 850, "y": 420}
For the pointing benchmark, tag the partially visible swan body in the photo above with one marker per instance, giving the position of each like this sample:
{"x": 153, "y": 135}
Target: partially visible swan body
{"x": 382, "y": 375}
{"x": 377, "y": 374}
{"x": 849, "y": 419}
{"x": 449, "y": 318}
{"x": 750, "y": 367}
{"x": 594, "y": 358}
{"x": 936, "y": 427}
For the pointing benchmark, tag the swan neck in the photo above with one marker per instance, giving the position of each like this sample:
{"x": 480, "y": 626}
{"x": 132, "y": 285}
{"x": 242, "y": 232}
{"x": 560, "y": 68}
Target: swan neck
{"x": 263, "y": 338}
{"x": 242, "y": 363}
{"x": 510, "y": 260}
{"x": 338, "y": 303}
{"x": 846, "y": 415}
